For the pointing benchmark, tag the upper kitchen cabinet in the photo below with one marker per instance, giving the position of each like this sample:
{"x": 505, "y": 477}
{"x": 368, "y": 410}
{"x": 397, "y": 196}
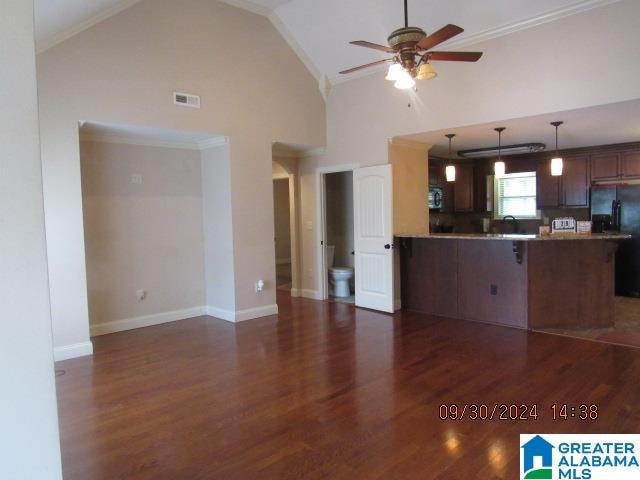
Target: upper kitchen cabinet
{"x": 569, "y": 190}
{"x": 605, "y": 166}
{"x": 575, "y": 181}
{"x": 463, "y": 189}
{"x": 630, "y": 164}
{"x": 548, "y": 186}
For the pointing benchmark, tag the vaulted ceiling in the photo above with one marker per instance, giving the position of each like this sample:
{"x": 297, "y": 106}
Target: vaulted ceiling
{"x": 319, "y": 31}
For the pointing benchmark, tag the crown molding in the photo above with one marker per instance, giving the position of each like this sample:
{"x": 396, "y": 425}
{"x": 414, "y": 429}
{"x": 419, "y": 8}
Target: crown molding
{"x": 492, "y": 33}
{"x": 66, "y": 34}
{"x": 142, "y": 142}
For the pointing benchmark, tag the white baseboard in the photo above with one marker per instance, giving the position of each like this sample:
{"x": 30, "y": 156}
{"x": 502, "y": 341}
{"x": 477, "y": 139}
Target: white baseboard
{"x": 73, "y": 351}
{"x": 145, "y": 321}
{"x": 296, "y": 292}
{"x": 242, "y": 315}
{"x": 251, "y": 313}
{"x": 228, "y": 315}
{"x": 397, "y": 304}
{"x": 283, "y": 261}
{"x": 313, "y": 294}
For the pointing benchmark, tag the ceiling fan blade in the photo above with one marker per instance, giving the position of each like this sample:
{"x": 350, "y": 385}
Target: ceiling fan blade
{"x": 379, "y": 62}
{"x": 455, "y": 56}
{"x": 375, "y": 46}
{"x": 442, "y": 35}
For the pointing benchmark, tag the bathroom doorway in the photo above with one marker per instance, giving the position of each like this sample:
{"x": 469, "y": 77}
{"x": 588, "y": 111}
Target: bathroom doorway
{"x": 339, "y": 273}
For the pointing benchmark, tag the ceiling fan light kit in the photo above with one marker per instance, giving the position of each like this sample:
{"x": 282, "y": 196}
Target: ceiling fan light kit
{"x": 405, "y": 81}
{"x": 411, "y": 47}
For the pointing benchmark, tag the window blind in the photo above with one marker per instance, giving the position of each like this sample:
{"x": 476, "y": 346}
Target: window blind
{"x": 515, "y": 194}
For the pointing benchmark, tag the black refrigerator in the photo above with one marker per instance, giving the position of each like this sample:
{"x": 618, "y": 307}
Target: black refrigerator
{"x": 622, "y": 203}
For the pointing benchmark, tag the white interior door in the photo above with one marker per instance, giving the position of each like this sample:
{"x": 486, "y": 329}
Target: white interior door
{"x": 373, "y": 225}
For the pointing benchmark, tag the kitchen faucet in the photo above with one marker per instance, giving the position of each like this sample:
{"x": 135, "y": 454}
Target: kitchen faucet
{"x": 514, "y": 222}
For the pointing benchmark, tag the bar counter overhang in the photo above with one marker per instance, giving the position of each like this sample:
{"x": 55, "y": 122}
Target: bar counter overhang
{"x": 523, "y": 281}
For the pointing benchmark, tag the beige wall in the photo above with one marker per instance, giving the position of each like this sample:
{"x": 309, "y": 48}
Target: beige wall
{"x": 145, "y": 236}
{"x": 339, "y": 215}
{"x": 29, "y": 442}
{"x": 410, "y": 167}
{"x": 282, "y": 227}
{"x": 124, "y": 71}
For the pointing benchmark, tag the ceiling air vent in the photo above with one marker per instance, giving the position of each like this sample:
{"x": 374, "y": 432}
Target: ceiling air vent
{"x": 186, "y": 100}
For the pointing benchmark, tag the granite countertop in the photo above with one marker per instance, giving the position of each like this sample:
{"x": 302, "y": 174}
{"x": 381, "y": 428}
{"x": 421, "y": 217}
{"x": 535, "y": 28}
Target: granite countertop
{"x": 517, "y": 237}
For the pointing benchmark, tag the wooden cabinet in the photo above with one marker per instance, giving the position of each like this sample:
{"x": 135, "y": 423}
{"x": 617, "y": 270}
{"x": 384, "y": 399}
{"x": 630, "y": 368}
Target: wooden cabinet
{"x": 605, "y": 166}
{"x": 575, "y": 181}
{"x": 548, "y": 186}
{"x": 463, "y": 189}
{"x": 630, "y": 164}
{"x": 569, "y": 190}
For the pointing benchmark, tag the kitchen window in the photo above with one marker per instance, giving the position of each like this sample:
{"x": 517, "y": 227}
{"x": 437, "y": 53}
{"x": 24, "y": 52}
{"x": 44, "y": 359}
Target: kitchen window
{"x": 515, "y": 194}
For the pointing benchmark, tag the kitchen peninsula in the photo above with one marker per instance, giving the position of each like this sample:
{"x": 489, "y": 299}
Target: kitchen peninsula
{"x": 524, "y": 281}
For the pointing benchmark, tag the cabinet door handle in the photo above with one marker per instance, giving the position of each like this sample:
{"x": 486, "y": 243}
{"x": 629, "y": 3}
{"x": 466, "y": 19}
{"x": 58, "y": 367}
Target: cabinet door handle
{"x": 388, "y": 246}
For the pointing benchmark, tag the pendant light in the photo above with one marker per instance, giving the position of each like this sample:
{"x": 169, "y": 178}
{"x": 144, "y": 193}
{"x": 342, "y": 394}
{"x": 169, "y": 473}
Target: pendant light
{"x": 450, "y": 171}
{"x": 556, "y": 162}
{"x": 499, "y": 167}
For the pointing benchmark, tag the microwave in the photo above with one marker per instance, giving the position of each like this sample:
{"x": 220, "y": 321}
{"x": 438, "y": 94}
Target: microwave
{"x": 435, "y": 197}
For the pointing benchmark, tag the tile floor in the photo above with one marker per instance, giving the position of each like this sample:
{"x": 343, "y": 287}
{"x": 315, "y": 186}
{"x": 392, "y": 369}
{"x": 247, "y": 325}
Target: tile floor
{"x": 626, "y": 330}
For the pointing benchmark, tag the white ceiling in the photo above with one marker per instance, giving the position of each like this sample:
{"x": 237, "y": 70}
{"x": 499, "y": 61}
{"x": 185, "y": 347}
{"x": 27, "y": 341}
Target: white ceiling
{"x": 601, "y": 125}
{"x": 321, "y": 30}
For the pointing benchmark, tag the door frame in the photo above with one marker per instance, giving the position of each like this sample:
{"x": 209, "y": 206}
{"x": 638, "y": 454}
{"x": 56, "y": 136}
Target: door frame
{"x": 321, "y": 214}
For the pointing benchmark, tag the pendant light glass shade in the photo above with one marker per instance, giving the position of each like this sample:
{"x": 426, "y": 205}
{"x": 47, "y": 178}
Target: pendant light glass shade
{"x": 394, "y": 73}
{"x": 426, "y": 72}
{"x": 405, "y": 82}
{"x": 450, "y": 172}
{"x": 557, "y": 163}
{"x": 556, "y": 166}
{"x": 499, "y": 169}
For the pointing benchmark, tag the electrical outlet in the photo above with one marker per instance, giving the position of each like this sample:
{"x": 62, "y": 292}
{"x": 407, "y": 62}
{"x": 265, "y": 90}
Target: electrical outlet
{"x": 259, "y": 286}
{"x": 141, "y": 295}
{"x": 493, "y": 290}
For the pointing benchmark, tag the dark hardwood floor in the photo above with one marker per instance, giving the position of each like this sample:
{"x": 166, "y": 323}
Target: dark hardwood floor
{"x": 326, "y": 390}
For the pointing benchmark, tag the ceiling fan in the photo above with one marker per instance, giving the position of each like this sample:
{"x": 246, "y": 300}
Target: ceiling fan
{"x": 411, "y": 47}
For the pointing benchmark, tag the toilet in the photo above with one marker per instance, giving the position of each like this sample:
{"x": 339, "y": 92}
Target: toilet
{"x": 339, "y": 277}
